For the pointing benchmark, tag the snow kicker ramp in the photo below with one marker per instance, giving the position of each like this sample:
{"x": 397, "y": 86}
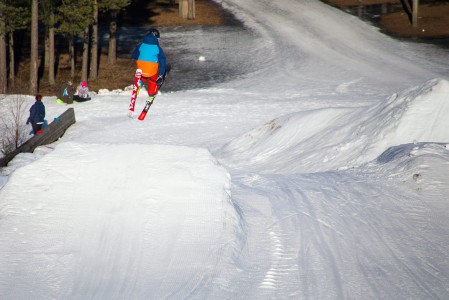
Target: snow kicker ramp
{"x": 332, "y": 138}
{"x": 115, "y": 222}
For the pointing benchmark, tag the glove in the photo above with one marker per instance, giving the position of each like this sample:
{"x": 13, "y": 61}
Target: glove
{"x": 131, "y": 114}
{"x": 159, "y": 80}
{"x": 28, "y": 122}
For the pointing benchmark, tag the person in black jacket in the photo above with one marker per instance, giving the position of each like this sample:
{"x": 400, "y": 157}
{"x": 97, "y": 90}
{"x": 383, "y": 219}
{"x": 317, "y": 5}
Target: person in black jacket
{"x": 37, "y": 115}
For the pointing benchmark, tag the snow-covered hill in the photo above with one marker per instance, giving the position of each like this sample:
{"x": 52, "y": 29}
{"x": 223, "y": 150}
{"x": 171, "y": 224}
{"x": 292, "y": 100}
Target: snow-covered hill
{"x": 334, "y": 138}
{"x": 321, "y": 173}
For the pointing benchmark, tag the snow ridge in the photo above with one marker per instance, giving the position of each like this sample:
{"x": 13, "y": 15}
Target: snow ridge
{"x": 336, "y": 138}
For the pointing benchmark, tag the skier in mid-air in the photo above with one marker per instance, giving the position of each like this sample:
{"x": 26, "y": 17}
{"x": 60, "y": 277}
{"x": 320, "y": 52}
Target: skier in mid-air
{"x": 151, "y": 69}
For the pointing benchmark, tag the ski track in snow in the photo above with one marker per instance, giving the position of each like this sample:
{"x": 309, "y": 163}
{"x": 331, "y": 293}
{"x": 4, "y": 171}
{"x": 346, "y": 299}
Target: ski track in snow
{"x": 313, "y": 228}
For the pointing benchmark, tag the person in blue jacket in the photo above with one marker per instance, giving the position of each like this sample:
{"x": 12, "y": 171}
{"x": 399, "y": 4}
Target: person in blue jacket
{"x": 150, "y": 58}
{"x": 37, "y": 115}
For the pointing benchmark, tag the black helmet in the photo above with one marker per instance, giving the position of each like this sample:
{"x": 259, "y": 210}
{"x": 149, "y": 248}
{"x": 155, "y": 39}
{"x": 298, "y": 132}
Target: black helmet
{"x": 155, "y": 32}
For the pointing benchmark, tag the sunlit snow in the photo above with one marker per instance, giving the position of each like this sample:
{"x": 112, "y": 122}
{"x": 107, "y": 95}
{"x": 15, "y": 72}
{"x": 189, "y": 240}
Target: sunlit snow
{"x": 320, "y": 173}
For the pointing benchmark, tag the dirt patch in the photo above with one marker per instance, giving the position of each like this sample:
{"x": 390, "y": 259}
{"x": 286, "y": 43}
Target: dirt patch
{"x": 162, "y": 13}
{"x": 433, "y": 20}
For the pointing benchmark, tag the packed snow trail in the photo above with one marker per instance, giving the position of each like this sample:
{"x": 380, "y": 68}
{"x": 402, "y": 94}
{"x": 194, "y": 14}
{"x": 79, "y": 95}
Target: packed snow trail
{"x": 357, "y": 234}
{"x": 309, "y": 39}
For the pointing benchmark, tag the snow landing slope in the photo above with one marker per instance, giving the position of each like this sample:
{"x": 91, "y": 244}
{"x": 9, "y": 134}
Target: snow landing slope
{"x": 333, "y": 138}
{"x": 73, "y": 226}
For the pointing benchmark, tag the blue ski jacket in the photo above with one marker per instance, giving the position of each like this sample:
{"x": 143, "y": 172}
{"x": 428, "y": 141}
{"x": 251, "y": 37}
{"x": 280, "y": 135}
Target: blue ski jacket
{"x": 37, "y": 113}
{"x": 150, "y": 57}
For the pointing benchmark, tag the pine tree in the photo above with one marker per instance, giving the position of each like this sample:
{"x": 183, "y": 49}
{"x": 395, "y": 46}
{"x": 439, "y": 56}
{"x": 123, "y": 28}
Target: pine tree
{"x": 34, "y": 48}
{"x": 3, "y": 72}
{"x": 85, "y": 61}
{"x": 94, "y": 44}
{"x": 114, "y": 7}
{"x": 14, "y": 15}
{"x": 48, "y": 12}
{"x": 75, "y": 16}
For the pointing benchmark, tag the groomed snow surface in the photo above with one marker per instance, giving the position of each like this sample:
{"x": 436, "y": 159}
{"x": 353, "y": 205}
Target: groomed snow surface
{"x": 322, "y": 173}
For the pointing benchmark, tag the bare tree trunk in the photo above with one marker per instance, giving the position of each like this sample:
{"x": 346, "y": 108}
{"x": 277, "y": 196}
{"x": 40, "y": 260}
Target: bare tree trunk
{"x": 406, "y": 5}
{"x": 85, "y": 64}
{"x": 34, "y": 47}
{"x": 46, "y": 49}
{"x": 112, "y": 53}
{"x": 72, "y": 58}
{"x": 51, "y": 56}
{"x": 191, "y": 14}
{"x": 3, "y": 72}
{"x": 415, "y": 13}
{"x": 50, "y": 50}
{"x": 12, "y": 69}
{"x": 183, "y": 8}
{"x": 94, "y": 46}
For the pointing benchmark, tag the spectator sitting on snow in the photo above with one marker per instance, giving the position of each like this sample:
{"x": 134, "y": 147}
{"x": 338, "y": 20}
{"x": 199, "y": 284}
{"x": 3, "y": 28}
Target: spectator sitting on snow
{"x": 82, "y": 92}
{"x": 65, "y": 93}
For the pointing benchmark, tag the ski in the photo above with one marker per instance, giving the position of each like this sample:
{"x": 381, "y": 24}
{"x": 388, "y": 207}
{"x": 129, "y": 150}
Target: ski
{"x": 143, "y": 114}
{"x": 136, "y": 89}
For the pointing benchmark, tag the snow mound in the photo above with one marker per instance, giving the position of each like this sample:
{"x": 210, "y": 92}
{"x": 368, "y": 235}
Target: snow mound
{"x": 412, "y": 161}
{"x": 120, "y": 92}
{"x": 419, "y": 167}
{"x": 86, "y": 227}
{"x": 338, "y": 138}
